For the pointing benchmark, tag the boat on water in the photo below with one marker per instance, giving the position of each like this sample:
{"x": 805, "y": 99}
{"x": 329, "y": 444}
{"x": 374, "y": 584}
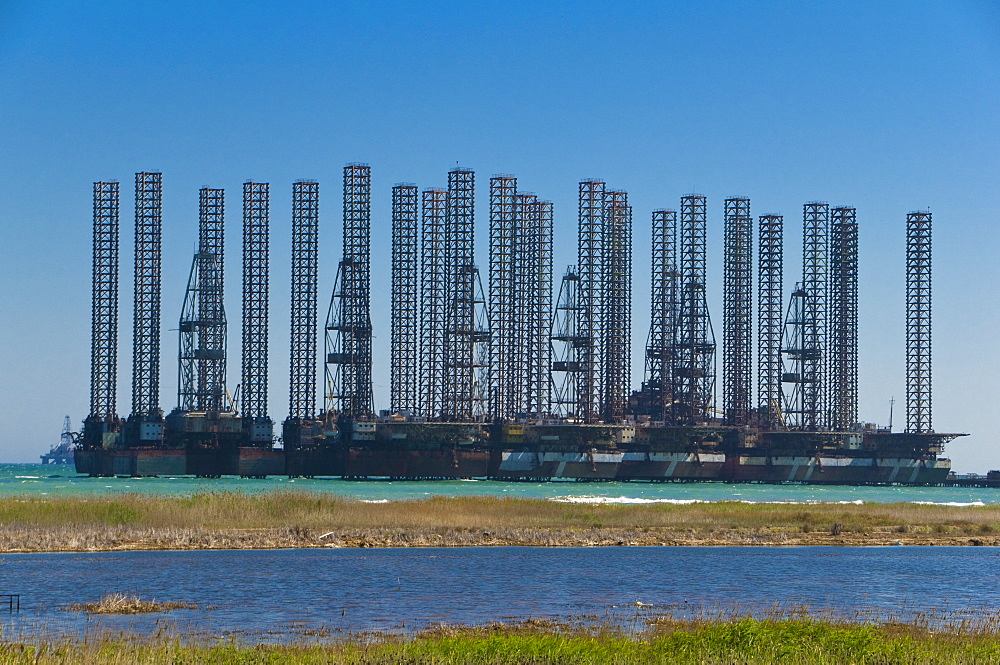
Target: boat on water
{"x": 62, "y": 452}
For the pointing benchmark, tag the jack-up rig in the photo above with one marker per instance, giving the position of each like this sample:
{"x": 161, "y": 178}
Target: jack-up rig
{"x": 506, "y": 381}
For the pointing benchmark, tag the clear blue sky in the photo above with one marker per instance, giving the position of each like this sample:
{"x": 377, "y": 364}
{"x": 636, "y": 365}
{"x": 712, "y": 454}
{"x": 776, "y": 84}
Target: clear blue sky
{"x": 887, "y": 106}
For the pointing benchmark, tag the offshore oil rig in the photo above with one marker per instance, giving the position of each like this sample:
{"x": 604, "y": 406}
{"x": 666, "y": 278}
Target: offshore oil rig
{"x": 506, "y": 381}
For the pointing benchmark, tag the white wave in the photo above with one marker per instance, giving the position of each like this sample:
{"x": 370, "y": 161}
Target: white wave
{"x": 956, "y": 504}
{"x": 684, "y": 502}
{"x": 680, "y": 502}
{"x": 374, "y": 500}
{"x": 35, "y": 477}
{"x": 622, "y": 499}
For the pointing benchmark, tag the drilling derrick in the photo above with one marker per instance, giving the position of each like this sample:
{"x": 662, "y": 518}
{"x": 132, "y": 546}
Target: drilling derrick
{"x": 567, "y": 346}
{"x": 201, "y": 359}
{"x": 590, "y": 251}
{"x": 432, "y": 298}
{"x": 658, "y": 382}
{"x": 918, "y": 322}
{"x": 798, "y": 355}
{"x": 103, "y": 417}
{"x": 404, "y": 351}
{"x": 815, "y": 236}
{"x": 256, "y": 218}
{"x": 769, "y": 323}
{"x": 694, "y": 341}
{"x": 616, "y": 310}
{"x": 146, "y": 321}
{"x": 505, "y": 313}
{"x": 463, "y": 357}
{"x": 737, "y": 341}
{"x": 211, "y": 370}
{"x": 842, "y": 337}
{"x": 189, "y": 355}
{"x": 305, "y": 285}
{"x": 541, "y": 353}
{"x": 349, "y": 328}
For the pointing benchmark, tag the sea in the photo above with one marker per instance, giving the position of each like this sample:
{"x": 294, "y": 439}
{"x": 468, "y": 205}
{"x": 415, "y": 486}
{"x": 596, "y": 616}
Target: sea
{"x": 61, "y": 480}
{"x": 283, "y": 595}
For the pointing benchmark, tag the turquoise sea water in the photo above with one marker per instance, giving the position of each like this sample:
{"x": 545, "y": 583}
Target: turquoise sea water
{"x": 41, "y": 480}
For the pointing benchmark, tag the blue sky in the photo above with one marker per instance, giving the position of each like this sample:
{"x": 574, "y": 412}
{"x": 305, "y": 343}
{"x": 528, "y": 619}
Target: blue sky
{"x": 887, "y": 106}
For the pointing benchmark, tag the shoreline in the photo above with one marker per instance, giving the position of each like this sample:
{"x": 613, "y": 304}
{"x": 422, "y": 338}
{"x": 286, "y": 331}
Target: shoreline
{"x": 90, "y": 540}
{"x": 284, "y": 520}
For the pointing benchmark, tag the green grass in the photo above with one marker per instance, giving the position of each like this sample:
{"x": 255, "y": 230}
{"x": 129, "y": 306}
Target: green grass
{"x": 287, "y": 519}
{"x": 750, "y": 641}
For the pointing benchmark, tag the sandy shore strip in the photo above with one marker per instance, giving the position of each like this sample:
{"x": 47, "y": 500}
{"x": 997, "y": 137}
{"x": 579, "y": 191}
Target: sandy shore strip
{"x": 234, "y": 520}
{"x": 110, "y": 539}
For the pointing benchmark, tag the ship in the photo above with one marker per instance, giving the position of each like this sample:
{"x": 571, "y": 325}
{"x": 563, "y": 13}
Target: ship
{"x": 62, "y": 452}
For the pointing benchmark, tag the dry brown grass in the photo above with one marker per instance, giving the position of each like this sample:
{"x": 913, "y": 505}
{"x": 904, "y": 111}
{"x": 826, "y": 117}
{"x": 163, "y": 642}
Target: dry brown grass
{"x": 120, "y": 603}
{"x": 229, "y": 520}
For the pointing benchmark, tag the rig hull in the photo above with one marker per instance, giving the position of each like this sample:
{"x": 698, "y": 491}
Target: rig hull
{"x": 550, "y": 451}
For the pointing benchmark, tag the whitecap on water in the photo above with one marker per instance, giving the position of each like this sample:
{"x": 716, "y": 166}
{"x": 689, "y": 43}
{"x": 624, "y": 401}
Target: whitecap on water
{"x": 621, "y": 499}
{"x": 956, "y": 504}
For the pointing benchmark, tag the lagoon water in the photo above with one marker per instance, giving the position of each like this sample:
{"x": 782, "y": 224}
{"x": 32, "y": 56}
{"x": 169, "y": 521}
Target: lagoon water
{"x": 40, "y": 480}
{"x": 279, "y": 594}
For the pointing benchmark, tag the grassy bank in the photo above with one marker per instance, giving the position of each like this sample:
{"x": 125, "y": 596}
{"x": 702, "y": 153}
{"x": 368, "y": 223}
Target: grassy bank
{"x": 236, "y": 520}
{"x": 741, "y": 641}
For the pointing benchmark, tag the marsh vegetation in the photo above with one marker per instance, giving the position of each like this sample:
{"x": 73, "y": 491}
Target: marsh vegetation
{"x": 234, "y": 520}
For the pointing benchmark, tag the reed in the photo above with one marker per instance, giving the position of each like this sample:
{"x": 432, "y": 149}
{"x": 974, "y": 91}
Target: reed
{"x": 120, "y": 603}
{"x": 290, "y": 519}
{"x": 741, "y": 640}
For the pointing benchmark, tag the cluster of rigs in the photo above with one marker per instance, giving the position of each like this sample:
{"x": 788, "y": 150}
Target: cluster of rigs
{"x": 508, "y": 382}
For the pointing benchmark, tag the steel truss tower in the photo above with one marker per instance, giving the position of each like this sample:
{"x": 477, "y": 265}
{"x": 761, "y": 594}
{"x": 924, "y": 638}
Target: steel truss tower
{"x": 918, "y": 322}
{"x": 658, "y": 381}
{"x": 522, "y": 325}
{"x": 815, "y": 239}
{"x": 694, "y": 341}
{"x": 464, "y": 358}
{"x": 506, "y": 375}
{"x": 842, "y": 331}
{"x": 256, "y": 219}
{"x": 211, "y": 371}
{"x": 305, "y": 285}
{"x": 737, "y": 335}
{"x": 433, "y": 276}
{"x": 541, "y": 314}
{"x": 405, "y": 325}
{"x": 769, "y": 320}
{"x": 349, "y": 328}
{"x": 616, "y": 307}
{"x": 146, "y": 312}
{"x": 590, "y": 253}
{"x": 524, "y": 376}
{"x": 104, "y": 313}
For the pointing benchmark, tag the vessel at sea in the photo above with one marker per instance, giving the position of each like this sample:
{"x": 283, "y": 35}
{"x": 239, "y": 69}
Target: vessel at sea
{"x": 62, "y": 452}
